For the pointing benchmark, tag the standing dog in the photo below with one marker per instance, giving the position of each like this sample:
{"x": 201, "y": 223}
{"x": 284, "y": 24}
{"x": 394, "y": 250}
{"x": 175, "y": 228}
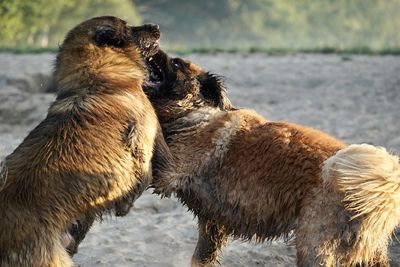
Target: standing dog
{"x": 248, "y": 177}
{"x": 94, "y": 147}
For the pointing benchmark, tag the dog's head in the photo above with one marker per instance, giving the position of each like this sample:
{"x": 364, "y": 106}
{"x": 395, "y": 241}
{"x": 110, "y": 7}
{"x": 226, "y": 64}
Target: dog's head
{"x": 178, "y": 86}
{"x": 106, "y": 46}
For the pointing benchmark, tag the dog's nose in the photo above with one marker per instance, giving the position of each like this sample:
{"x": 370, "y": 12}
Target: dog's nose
{"x": 154, "y": 28}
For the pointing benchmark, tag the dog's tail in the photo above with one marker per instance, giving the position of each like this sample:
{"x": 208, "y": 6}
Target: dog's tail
{"x": 368, "y": 178}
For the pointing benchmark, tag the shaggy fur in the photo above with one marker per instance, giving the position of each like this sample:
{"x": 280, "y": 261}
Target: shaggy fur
{"x": 3, "y": 173}
{"x": 251, "y": 178}
{"x": 93, "y": 148}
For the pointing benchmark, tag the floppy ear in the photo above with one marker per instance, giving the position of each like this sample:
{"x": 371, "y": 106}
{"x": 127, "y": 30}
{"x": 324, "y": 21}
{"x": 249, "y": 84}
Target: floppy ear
{"x": 107, "y": 35}
{"x": 213, "y": 88}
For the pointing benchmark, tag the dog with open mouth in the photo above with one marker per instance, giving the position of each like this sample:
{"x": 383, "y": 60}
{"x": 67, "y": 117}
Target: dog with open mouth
{"x": 251, "y": 178}
{"x": 96, "y": 147}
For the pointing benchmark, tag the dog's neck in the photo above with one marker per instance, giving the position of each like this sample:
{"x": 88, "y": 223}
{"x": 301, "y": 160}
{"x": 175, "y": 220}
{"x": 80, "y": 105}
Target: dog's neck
{"x": 190, "y": 121}
{"x": 199, "y": 141}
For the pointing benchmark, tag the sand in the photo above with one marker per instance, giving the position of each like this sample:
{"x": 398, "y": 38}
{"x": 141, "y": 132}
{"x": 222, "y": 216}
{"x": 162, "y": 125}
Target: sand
{"x": 355, "y": 98}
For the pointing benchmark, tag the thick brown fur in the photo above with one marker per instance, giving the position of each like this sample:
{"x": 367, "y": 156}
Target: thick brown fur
{"x": 251, "y": 178}
{"x": 3, "y": 173}
{"x": 93, "y": 148}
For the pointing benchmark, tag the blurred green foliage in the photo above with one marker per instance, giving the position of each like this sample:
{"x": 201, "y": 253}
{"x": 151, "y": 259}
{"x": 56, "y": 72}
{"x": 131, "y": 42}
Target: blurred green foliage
{"x": 214, "y": 25}
{"x": 43, "y": 23}
{"x": 286, "y": 24}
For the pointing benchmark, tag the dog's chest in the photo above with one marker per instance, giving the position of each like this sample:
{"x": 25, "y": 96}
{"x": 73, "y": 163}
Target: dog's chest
{"x": 203, "y": 145}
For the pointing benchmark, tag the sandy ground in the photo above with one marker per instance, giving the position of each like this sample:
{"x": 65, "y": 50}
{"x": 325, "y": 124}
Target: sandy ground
{"x": 355, "y": 98}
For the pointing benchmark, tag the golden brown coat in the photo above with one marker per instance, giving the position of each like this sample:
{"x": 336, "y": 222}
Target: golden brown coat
{"x": 93, "y": 148}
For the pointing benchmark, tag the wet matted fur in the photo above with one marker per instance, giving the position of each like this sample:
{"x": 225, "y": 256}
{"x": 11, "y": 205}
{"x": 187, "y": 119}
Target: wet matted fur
{"x": 93, "y": 148}
{"x": 3, "y": 173}
{"x": 251, "y": 178}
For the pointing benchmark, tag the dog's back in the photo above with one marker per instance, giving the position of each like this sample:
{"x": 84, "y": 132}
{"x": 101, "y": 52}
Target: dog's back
{"x": 250, "y": 173}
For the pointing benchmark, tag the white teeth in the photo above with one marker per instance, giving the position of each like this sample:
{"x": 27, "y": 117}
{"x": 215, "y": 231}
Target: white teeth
{"x": 150, "y": 59}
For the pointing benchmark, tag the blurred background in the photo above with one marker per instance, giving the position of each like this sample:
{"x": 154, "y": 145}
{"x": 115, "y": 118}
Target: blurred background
{"x": 359, "y": 26}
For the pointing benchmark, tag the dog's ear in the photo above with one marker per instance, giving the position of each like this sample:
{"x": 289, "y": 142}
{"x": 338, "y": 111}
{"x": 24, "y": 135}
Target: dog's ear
{"x": 213, "y": 89}
{"x": 107, "y": 35}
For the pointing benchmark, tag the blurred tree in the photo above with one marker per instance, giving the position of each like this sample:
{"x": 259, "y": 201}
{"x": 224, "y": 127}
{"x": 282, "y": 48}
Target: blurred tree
{"x": 22, "y": 19}
{"x": 77, "y": 11}
{"x": 291, "y": 24}
{"x": 44, "y": 23}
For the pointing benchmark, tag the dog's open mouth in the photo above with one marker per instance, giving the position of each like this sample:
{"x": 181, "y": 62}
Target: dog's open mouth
{"x": 156, "y": 72}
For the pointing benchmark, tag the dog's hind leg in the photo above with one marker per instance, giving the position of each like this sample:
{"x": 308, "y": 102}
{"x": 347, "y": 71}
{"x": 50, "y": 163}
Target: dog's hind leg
{"x": 380, "y": 260}
{"x": 309, "y": 255}
{"x": 325, "y": 236}
{"x": 318, "y": 222}
{"x": 212, "y": 237}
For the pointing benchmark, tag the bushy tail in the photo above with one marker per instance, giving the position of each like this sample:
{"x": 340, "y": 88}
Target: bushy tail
{"x": 368, "y": 177}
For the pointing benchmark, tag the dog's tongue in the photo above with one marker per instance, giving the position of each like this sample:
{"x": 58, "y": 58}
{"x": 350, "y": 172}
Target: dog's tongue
{"x": 149, "y": 85}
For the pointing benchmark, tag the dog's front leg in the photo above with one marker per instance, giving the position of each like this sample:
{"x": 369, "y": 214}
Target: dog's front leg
{"x": 78, "y": 231}
{"x": 163, "y": 168}
{"x": 212, "y": 237}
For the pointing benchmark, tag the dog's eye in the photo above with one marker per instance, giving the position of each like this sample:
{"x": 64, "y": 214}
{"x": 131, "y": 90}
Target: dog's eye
{"x": 177, "y": 64}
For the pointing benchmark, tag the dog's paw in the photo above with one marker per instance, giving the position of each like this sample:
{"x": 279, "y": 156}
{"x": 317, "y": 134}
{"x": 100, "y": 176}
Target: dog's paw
{"x": 123, "y": 206}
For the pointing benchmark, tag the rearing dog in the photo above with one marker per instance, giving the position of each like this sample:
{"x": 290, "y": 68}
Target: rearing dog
{"x": 93, "y": 149}
{"x": 248, "y": 177}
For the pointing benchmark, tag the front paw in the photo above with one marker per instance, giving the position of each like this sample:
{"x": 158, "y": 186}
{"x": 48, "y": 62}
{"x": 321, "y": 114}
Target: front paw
{"x": 124, "y": 205}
